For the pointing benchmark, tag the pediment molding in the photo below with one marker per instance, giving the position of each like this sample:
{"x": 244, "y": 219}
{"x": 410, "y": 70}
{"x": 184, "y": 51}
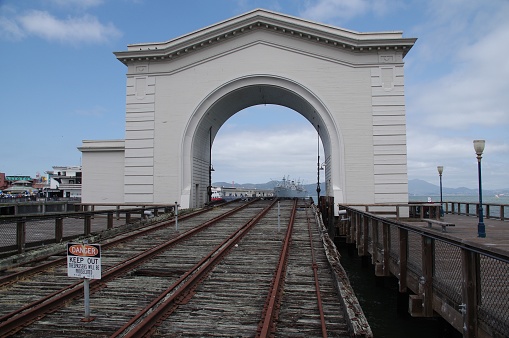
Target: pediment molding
{"x": 266, "y": 20}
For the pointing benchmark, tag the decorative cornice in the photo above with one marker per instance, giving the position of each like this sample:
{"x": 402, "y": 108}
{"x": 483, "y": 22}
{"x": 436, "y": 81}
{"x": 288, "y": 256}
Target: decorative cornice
{"x": 102, "y": 145}
{"x": 269, "y": 21}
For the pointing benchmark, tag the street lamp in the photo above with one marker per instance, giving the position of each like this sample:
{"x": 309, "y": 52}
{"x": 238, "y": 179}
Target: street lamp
{"x": 440, "y": 171}
{"x": 479, "y": 148}
{"x": 211, "y": 168}
{"x": 318, "y": 168}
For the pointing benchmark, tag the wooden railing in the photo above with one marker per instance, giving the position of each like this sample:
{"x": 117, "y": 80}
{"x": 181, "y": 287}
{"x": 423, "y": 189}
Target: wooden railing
{"x": 398, "y": 210}
{"x": 491, "y": 210}
{"x": 432, "y": 210}
{"x": 18, "y": 233}
{"x": 459, "y": 279}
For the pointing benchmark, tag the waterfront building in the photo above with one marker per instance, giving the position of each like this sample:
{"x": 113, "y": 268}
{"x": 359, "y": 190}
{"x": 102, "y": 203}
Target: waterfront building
{"x": 21, "y": 187}
{"x": 64, "y": 181}
{"x": 3, "y": 182}
{"x": 240, "y": 192}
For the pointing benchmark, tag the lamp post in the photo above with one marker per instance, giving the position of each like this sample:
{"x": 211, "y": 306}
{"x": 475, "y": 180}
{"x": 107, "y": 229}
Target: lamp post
{"x": 440, "y": 171}
{"x": 318, "y": 168}
{"x": 479, "y": 148}
{"x": 211, "y": 168}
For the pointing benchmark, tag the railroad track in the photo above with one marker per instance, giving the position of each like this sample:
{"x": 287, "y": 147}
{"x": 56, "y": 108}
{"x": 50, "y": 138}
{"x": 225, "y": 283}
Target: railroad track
{"x": 215, "y": 276}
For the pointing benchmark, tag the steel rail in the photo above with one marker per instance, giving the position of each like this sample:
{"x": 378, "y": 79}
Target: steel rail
{"x": 151, "y": 316}
{"x": 314, "y": 266}
{"x": 266, "y": 326}
{"x": 5, "y": 280}
{"x": 33, "y": 311}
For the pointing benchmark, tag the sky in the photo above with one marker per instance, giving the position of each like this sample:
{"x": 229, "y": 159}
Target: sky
{"x": 60, "y": 83}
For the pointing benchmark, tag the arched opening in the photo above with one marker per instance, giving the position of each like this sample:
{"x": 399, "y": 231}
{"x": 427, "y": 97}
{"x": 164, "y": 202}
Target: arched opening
{"x": 242, "y": 93}
{"x": 264, "y": 143}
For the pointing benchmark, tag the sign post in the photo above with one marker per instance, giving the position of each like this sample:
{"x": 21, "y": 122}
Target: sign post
{"x": 84, "y": 261}
{"x": 176, "y": 217}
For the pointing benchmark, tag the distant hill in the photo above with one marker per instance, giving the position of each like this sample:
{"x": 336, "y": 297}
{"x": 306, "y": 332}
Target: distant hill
{"x": 416, "y": 187}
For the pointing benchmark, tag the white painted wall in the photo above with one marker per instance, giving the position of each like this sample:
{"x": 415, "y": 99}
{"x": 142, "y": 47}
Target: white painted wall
{"x": 103, "y": 171}
{"x": 355, "y": 94}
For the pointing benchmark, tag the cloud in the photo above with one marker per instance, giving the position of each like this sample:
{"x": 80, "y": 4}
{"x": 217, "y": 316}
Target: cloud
{"x": 10, "y": 30}
{"x": 343, "y": 10}
{"x": 78, "y": 3}
{"x": 74, "y": 30}
{"x": 428, "y": 149}
{"x": 256, "y": 156}
{"x": 469, "y": 52}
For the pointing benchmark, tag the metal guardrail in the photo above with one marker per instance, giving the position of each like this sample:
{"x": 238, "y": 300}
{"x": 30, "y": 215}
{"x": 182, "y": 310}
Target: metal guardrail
{"x": 21, "y": 232}
{"x": 465, "y": 283}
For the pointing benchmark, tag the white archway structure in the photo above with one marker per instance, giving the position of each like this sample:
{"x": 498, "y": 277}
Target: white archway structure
{"x": 348, "y": 85}
{"x": 241, "y": 93}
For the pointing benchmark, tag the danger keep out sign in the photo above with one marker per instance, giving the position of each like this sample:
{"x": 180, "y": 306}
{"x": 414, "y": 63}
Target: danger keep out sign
{"x": 84, "y": 260}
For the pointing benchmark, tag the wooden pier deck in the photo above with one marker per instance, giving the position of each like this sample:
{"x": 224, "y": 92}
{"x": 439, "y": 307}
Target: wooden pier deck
{"x": 454, "y": 274}
{"x": 465, "y": 229}
{"x": 241, "y": 269}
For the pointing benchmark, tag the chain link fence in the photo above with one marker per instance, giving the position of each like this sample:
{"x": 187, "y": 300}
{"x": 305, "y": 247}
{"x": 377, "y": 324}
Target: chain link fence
{"x": 23, "y": 232}
{"x": 467, "y": 284}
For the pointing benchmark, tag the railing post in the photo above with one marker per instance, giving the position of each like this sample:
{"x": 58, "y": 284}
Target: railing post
{"x": 374, "y": 241}
{"x": 470, "y": 291}
{"x": 110, "y": 220}
{"x": 403, "y": 259}
{"x": 365, "y": 234}
{"x": 348, "y": 234}
{"x": 88, "y": 224}
{"x": 59, "y": 229}
{"x": 487, "y": 214}
{"x": 354, "y": 229}
{"x": 21, "y": 235}
{"x": 358, "y": 230}
{"x": 359, "y": 222}
{"x": 428, "y": 246}
{"x": 387, "y": 248}
{"x": 502, "y": 217}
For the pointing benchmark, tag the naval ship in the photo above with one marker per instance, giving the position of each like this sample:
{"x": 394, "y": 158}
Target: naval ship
{"x": 287, "y": 188}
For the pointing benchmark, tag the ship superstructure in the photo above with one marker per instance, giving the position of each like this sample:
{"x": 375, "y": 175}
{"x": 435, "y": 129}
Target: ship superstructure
{"x": 288, "y": 188}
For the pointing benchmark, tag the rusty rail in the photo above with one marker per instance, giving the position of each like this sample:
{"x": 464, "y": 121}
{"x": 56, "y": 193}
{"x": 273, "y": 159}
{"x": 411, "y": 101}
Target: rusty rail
{"x": 270, "y": 311}
{"x": 317, "y": 284}
{"x": 147, "y": 319}
{"x": 4, "y": 280}
{"x": 16, "y": 320}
